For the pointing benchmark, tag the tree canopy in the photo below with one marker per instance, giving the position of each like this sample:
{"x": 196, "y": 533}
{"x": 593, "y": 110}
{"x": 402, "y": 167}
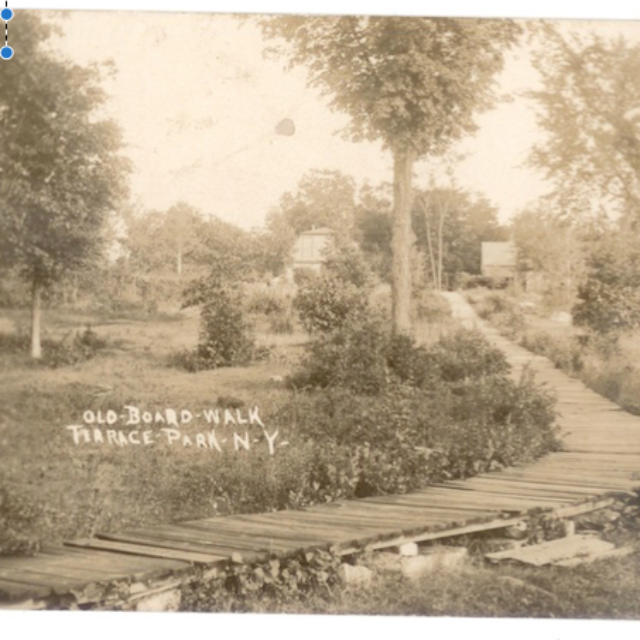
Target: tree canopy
{"x": 412, "y": 83}
{"x": 322, "y": 199}
{"x": 590, "y": 110}
{"x": 61, "y": 168}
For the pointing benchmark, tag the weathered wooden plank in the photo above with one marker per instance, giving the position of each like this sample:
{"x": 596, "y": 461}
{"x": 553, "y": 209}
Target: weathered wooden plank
{"x": 253, "y": 526}
{"x": 89, "y": 564}
{"x": 485, "y": 490}
{"x": 410, "y": 512}
{"x": 11, "y": 591}
{"x": 552, "y": 484}
{"x": 444, "y": 532}
{"x": 59, "y": 583}
{"x": 537, "y": 488}
{"x": 260, "y": 540}
{"x": 152, "y": 552}
{"x": 581, "y": 480}
{"x": 237, "y": 555}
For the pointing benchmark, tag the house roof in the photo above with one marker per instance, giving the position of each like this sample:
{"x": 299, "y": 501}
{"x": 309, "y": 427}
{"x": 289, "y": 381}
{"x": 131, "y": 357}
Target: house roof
{"x": 322, "y": 231}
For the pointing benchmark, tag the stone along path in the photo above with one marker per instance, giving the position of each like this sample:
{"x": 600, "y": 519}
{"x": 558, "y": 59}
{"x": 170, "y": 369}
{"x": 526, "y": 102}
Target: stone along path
{"x": 142, "y": 568}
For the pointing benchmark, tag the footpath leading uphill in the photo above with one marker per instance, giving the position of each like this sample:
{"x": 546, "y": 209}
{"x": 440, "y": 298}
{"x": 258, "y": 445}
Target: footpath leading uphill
{"x": 144, "y": 568}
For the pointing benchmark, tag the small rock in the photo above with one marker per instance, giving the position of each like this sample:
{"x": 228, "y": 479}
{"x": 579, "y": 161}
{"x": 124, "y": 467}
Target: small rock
{"x": 432, "y": 559}
{"x": 276, "y": 378}
{"x": 355, "y": 575}
{"x": 409, "y": 549}
{"x": 164, "y": 601}
{"x": 517, "y": 531}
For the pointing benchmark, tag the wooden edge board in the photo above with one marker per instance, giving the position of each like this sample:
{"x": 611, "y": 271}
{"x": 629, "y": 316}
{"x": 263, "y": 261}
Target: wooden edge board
{"x": 152, "y": 552}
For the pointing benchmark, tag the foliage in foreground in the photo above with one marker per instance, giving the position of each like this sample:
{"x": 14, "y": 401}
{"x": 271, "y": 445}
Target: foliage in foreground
{"x": 606, "y": 589}
{"x": 342, "y": 444}
{"x": 313, "y": 574}
{"x": 310, "y": 582}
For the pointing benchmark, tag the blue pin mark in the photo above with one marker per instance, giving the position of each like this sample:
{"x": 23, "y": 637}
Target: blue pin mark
{"x": 6, "y": 53}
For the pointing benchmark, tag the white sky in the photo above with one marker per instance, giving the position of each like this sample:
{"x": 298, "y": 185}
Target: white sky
{"x": 198, "y": 104}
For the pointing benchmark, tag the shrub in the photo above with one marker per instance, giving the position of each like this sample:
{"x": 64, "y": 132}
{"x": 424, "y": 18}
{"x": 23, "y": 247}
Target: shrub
{"x": 431, "y": 307}
{"x": 352, "y": 356}
{"x": 471, "y": 281}
{"x": 283, "y": 581}
{"x": 223, "y": 336}
{"x": 266, "y": 302}
{"x": 566, "y": 352}
{"x": 503, "y": 312}
{"x": 82, "y": 347}
{"x": 302, "y": 276}
{"x": 348, "y": 264}
{"x": 17, "y": 516}
{"x": 223, "y": 339}
{"x": 282, "y": 323}
{"x": 327, "y": 303}
{"x": 73, "y": 348}
{"x": 609, "y": 299}
{"x": 466, "y": 354}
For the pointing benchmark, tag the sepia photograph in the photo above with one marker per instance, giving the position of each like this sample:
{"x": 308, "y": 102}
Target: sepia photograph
{"x": 330, "y": 314}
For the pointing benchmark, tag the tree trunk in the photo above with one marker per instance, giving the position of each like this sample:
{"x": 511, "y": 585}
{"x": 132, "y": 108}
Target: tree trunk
{"x": 36, "y": 350}
{"x": 440, "y": 248}
{"x": 432, "y": 258}
{"x": 401, "y": 242}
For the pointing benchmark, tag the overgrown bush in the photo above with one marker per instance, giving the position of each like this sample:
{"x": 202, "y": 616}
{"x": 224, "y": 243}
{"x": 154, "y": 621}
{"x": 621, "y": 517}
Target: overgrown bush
{"x": 302, "y": 276}
{"x": 280, "y": 581}
{"x": 342, "y": 290}
{"x": 431, "y": 307}
{"x": 566, "y": 352}
{"x": 281, "y": 323}
{"x": 501, "y": 310}
{"x": 223, "y": 337}
{"x": 266, "y": 302}
{"x": 404, "y": 437}
{"x": 609, "y": 298}
{"x": 327, "y": 303}
{"x": 19, "y": 520}
{"x": 351, "y": 356}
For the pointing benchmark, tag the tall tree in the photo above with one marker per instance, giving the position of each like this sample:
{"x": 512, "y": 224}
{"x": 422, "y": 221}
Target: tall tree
{"x": 450, "y": 226}
{"x": 413, "y": 83}
{"x": 590, "y": 111}
{"x": 322, "y": 199}
{"x": 61, "y": 169}
{"x": 555, "y": 246}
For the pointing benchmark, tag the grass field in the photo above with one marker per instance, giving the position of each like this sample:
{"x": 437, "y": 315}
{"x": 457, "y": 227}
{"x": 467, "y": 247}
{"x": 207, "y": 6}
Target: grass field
{"x": 58, "y": 489}
{"x": 53, "y": 489}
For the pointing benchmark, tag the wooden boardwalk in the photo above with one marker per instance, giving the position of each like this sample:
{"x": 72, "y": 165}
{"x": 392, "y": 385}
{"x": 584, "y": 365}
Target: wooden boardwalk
{"x": 601, "y": 461}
